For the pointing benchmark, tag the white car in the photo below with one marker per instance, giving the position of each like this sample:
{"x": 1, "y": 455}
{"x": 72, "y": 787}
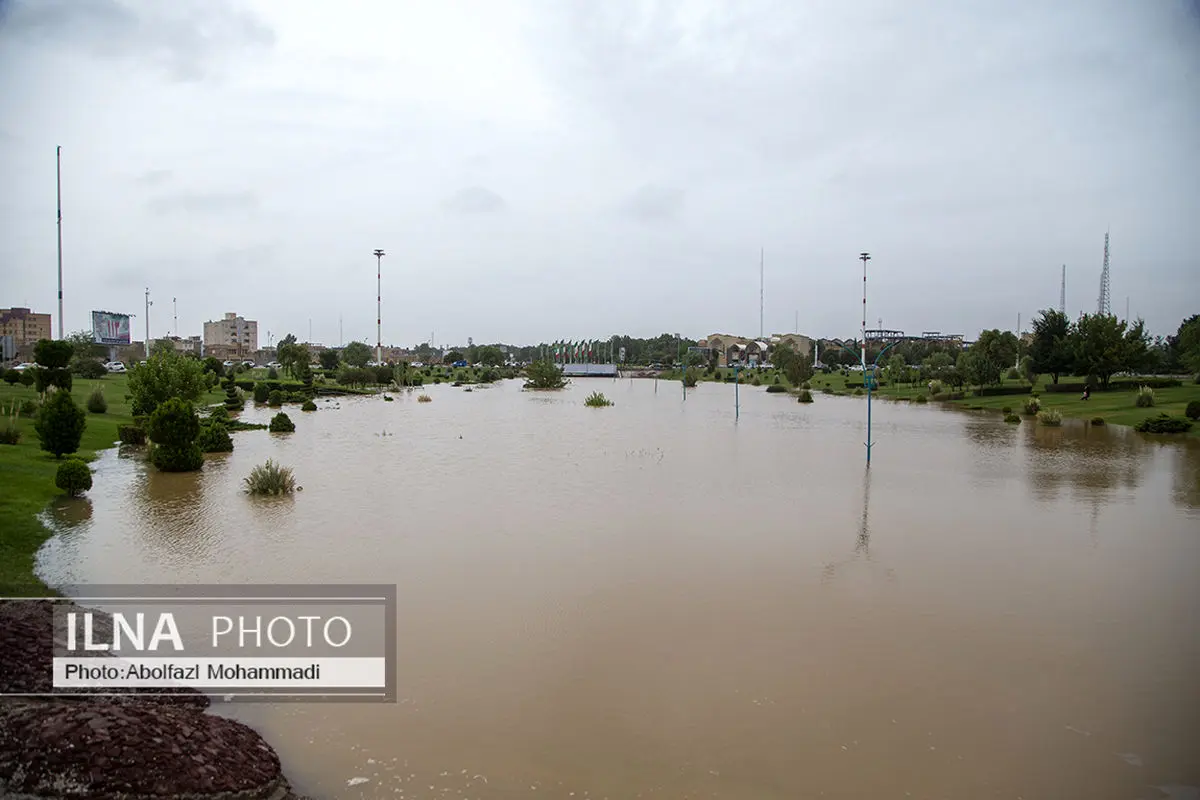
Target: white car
{"x": 115, "y": 366}
{"x": 273, "y": 365}
{"x": 24, "y": 366}
{"x": 227, "y": 364}
{"x": 248, "y": 363}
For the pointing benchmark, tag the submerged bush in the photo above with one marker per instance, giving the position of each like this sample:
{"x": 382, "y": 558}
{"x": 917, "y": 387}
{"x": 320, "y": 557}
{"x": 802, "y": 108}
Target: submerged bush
{"x": 1050, "y": 418}
{"x": 261, "y": 392}
{"x": 275, "y": 398}
{"x": 805, "y": 396}
{"x": 424, "y": 399}
{"x": 173, "y": 428}
{"x": 96, "y": 402}
{"x": 597, "y": 400}
{"x": 281, "y": 423}
{"x": 270, "y": 479}
{"x": 922, "y": 399}
{"x": 131, "y": 434}
{"x": 219, "y": 414}
{"x": 1032, "y": 407}
{"x": 214, "y": 438}
{"x": 1164, "y": 424}
{"x": 1006, "y": 410}
{"x": 73, "y": 477}
{"x": 1097, "y": 421}
{"x": 858, "y": 392}
{"x": 776, "y": 388}
{"x": 936, "y": 387}
{"x": 309, "y": 405}
{"x": 1145, "y": 397}
{"x": 1012, "y": 419}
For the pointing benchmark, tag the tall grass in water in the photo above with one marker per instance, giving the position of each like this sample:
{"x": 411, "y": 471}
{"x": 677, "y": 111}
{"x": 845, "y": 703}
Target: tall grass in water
{"x": 424, "y": 399}
{"x": 271, "y": 479}
{"x": 1050, "y": 418}
{"x": 597, "y": 400}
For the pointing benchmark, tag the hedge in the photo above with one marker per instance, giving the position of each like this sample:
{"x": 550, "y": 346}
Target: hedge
{"x": 282, "y": 386}
{"x": 991, "y": 391}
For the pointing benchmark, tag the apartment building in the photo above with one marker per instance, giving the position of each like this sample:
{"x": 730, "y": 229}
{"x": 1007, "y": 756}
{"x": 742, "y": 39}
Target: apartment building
{"x": 232, "y": 334}
{"x": 24, "y": 326}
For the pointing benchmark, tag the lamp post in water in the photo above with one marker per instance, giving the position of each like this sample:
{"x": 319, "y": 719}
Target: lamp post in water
{"x": 379, "y": 254}
{"x": 867, "y": 379}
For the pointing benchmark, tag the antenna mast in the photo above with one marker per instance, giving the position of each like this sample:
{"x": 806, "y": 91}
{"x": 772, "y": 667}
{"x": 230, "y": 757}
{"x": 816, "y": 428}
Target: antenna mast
{"x": 1104, "y": 304}
{"x": 1062, "y": 293}
{"x": 58, "y": 170}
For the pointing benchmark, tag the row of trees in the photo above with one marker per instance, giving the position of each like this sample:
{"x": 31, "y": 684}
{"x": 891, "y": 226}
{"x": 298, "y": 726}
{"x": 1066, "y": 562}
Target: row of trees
{"x": 1100, "y": 346}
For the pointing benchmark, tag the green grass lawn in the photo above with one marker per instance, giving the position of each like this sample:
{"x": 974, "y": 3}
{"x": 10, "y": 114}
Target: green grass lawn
{"x": 27, "y": 474}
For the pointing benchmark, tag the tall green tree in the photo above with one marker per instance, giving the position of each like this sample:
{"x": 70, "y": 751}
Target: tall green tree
{"x": 83, "y": 343}
{"x": 164, "y": 375}
{"x": 992, "y": 353}
{"x": 356, "y": 354}
{"x": 1183, "y": 348}
{"x": 1052, "y": 350}
{"x": 1100, "y": 346}
{"x": 489, "y": 355}
{"x": 329, "y": 359}
{"x": 1135, "y": 350}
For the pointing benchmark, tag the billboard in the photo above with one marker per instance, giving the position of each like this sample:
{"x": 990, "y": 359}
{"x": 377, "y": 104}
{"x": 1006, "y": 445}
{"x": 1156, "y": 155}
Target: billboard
{"x": 109, "y": 328}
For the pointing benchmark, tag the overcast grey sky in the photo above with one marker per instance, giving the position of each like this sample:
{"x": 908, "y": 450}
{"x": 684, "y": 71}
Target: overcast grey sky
{"x": 544, "y": 169}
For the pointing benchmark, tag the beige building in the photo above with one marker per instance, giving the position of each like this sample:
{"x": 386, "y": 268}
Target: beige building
{"x": 24, "y": 326}
{"x": 732, "y": 349}
{"x": 232, "y": 334}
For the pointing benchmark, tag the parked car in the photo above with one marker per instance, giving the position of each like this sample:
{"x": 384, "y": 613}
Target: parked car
{"x": 227, "y": 364}
{"x": 24, "y": 365}
{"x": 274, "y": 365}
{"x": 115, "y": 366}
{"x": 248, "y": 363}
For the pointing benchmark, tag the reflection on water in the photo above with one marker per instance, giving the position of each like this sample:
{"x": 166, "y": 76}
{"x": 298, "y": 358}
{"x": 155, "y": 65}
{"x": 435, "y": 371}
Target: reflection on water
{"x": 651, "y": 600}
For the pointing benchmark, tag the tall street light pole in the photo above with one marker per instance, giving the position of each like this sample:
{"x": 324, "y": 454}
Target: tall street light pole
{"x": 149, "y": 303}
{"x": 379, "y": 254}
{"x": 58, "y": 170}
{"x": 865, "y": 257}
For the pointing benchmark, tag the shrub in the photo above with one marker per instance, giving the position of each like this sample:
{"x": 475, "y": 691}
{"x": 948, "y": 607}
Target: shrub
{"x": 755, "y": 381}
{"x": 825, "y": 390}
{"x": 1012, "y": 419}
{"x": 234, "y": 401}
{"x": 96, "y": 402}
{"x": 214, "y": 366}
{"x": 541, "y": 375}
{"x": 27, "y": 377}
{"x": 211, "y": 380}
{"x": 1145, "y": 397}
{"x": 173, "y": 428}
{"x": 60, "y": 424}
{"x": 1032, "y": 407}
{"x": 424, "y": 399}
{"x": 858, "y": 392}
{"x": 261, "y": 392}
{"x": 219, "y": 414}
{"x": 806, "y": 386}
{"x": 1097, "y": 421}
{"x": 1050, "y": 418}
{"x": 214, "y": 438}
{"x": 272, "y": 374}
{"x": 309, "y": 405}
{"x": 1193, "y": 410}
{"x": 776, "y": 388}
{"x": 936, "y": 387}
{"x": 89, "y": 368}
{"x": 922, "y": 399}
{"x": 1013, "y": 374}
{"x": 415, "y": 379}
{"x": 805, "y": 396}
{"x": 73, "y": 477}
{"x": 597, "y": 400}
{"x": 387, "y": 398}
{"x": 12, "y": 377}
{"x": 1164, "y": 424}
{"x": 131, "y": 434}
{"x": 10, "y": 433}
{"x": 281, "y": 423}
{"x": 1006, "y": 410}
{"x": 270, "y": 479}
{"x": 53, "y": 353}
{"x": 165, "y": 375}
{"x": 275, "y": 398}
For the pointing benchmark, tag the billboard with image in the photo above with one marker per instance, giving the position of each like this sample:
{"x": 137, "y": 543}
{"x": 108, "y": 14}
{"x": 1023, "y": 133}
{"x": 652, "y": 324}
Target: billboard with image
{"x": 110, "y": 328}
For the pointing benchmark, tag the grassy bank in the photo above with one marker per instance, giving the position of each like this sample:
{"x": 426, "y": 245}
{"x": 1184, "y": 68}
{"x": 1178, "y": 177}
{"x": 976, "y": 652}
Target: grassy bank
{"x": 28, "y": 475}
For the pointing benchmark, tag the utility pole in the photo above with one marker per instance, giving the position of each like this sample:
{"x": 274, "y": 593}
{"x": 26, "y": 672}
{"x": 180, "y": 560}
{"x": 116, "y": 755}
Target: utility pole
{"x": 175, "y": 314}
{"x": 340, "y": 342}
{"x": 761, "y": 285}
{"x": 379, "y": 254}
{"x": 865, "y": 257}
{"x": 1062, "y": 293}
{"x": 149, "y": 303}
{"x": 58, "y": 170}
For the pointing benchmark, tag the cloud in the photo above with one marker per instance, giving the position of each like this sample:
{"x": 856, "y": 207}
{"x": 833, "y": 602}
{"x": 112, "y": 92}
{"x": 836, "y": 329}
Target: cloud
{"x": 653, "y": 203}
{"x": 475, "y": 200}
{"x": 186, "y": 38}
{"x": 203, "y": 203}
{"x": 154, "y": 177}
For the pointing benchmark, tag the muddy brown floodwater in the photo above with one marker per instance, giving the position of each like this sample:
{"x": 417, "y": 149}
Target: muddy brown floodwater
{"x": 649, "y": 600}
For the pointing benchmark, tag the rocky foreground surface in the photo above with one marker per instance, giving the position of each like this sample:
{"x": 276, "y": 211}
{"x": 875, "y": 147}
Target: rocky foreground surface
{"x": 117, "y": 748}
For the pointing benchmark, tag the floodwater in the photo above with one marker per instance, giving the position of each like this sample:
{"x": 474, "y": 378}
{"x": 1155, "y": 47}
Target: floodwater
{"x": 653, "y": 601}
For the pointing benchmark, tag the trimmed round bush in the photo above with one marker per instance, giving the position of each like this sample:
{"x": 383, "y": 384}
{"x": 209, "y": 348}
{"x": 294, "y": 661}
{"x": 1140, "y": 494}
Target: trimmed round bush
{"x": 173, "y": 428}
{"x": 275, "y": 398}
{"x": 1192, "y": 411}
{"x": 73, "y": 477}
{"x": 281, "y": 423}
{"x": 1006, "y": 410}
{"x": 12, "y": 377}
{"x": 805, "y": 396}
{"x": 776, "y": 388}
{"x": 1097, "y": 421}
{"x": 922, "y": 399}
{"x": 60, "y": 424}
{"x": 261, "y": 392}
{"x": 309, "y": 405}
{"x": 89, "y": 368}
{"x": 1032, "y": 407}
{"x": 218, "y": 414}
{"x": 1012, "y": 419}
{"x": 1050, "y": 418}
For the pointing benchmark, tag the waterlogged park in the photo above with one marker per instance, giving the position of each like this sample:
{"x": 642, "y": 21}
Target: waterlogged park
{"x": 679, "y": 581}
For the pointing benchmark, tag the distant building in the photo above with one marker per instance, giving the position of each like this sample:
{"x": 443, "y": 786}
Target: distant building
{"x": 233, "y": 335}
{"x": 743, "y": 350}
{"x": 190, "y": 344}
{"x": 24, "y": 326}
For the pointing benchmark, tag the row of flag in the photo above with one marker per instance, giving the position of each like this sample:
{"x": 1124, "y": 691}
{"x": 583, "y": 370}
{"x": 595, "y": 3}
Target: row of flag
{"x": 585, "y": 352}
